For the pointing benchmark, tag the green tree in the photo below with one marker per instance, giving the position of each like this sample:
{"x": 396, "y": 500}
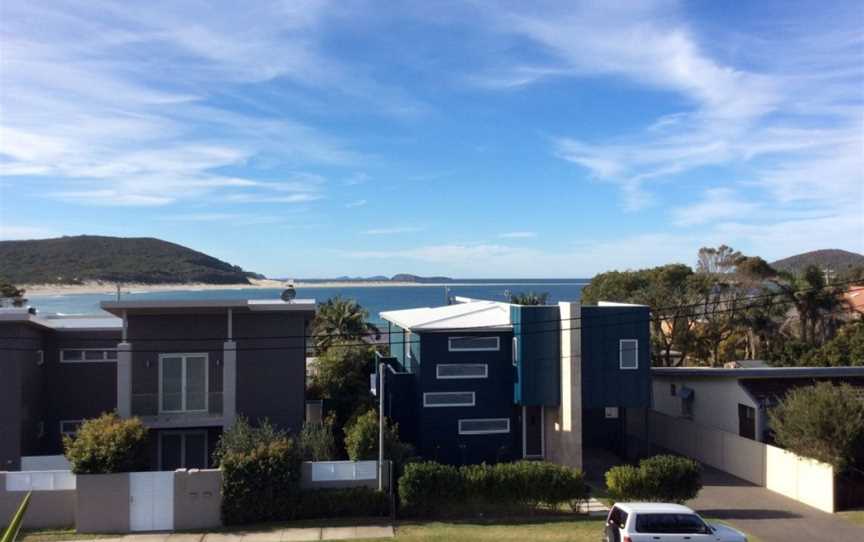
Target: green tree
{"x": 243, "y": 437}
{"x": 846, "y": 348}
{"x": 824, "y": 421}
{"x": 718, "y": 261}
{"x": 529, "y": 298}
{"x": 317, "y": 441}
{"x": 343, "y": 379}
{"x": 340, "y": 320}
{"x": 14, "y": 295}
{"x": 362, "y": 437}
{"x": 107, "y": 444}
{"x": 813, "y": 299}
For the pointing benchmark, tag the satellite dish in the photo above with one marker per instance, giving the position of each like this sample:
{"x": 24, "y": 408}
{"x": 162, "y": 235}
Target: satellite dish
{"x": 289, "y": 294}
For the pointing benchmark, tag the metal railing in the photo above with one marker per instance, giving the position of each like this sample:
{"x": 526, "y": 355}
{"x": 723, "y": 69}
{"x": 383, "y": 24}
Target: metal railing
{"x": 148, "y": 404}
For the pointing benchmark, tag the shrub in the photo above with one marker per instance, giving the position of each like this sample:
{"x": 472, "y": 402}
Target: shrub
{"x": 349, "y": 502}
{"x": 261, "y": 484}
{"x": 317, "y": 441}
{"x": 361, "y": 440}
{"x": 663, "y": 478}
{"x": 243, "y": 438}
{"x": 425, "y": 486}
{"x": 430, "y": 487}
{"x": 825, "y": 422}
{"x": 107, "y": 444}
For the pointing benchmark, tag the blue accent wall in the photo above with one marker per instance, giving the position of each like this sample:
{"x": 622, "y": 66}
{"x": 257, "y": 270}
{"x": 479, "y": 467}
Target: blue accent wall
{"x": 538, "y": 355}
{"x": 604, "y": 383}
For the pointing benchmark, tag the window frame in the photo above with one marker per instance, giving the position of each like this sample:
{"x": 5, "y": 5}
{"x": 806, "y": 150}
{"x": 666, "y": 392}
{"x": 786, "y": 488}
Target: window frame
{"x": 450, "y": 347}
{"x": 83, "y": 359}
{"x": 183, "y": 433}
{"x": 183, "y": 409}
{"x": 72, "y": 434}
{"x": 621, "y": 354}
{"x": 483, "y": 432}
{"x": 458, "y": 405}
{"x": 438, "y": 375}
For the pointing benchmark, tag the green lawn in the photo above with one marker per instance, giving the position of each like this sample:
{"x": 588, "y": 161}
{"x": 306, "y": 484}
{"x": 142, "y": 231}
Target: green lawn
{"x": 580, "y": 530}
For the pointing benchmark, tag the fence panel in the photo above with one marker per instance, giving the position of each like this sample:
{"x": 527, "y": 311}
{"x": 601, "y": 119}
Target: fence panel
{"x": 57, "y": 480}
{"x": 341, "y": 471}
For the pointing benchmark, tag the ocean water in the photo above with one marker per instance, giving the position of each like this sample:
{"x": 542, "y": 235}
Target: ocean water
{"x": 375, "y": 299}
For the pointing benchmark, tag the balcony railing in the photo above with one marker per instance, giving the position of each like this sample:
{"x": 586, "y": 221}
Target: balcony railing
{"x": 147, "y": 405}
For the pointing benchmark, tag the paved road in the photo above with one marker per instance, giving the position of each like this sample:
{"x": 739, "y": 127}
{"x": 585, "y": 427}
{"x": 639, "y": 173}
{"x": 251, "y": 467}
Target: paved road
{"x": 768, "y": 515}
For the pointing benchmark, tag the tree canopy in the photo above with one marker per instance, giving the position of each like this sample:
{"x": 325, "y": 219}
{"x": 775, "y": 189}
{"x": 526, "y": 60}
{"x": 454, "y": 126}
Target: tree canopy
{"x": 529, "y": 298}
{"x": 824, "y": 421}
{"x": 340, "y": 319}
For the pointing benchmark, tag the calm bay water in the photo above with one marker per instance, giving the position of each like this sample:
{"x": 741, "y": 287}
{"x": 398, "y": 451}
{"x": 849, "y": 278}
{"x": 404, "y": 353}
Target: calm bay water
{"x": 374, "y": 298}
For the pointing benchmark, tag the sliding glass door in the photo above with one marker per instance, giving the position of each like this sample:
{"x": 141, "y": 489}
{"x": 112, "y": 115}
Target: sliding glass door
{"x": 183, "y": 383}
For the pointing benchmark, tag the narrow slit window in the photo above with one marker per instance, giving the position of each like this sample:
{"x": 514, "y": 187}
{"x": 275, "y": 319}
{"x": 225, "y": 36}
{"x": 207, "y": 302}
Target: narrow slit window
{"x": 474, "y": 344}
{"x": 461, "y": 370}
{"x": 449, "y": 399}
{"x": 484, "y": 426}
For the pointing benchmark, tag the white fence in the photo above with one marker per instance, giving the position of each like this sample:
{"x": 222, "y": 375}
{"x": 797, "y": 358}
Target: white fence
{"x": 799, "y": 478}
{"x": 54, "y": 480}
{"x": 342, "y": 471}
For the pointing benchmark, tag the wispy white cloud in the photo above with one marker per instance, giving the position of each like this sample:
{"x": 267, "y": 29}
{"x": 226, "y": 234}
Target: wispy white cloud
{"x": 356, "y": 203}
{"x": 391, "y": 231}
{"x": 518, "y": 235}
{"x": 717, "y": 204}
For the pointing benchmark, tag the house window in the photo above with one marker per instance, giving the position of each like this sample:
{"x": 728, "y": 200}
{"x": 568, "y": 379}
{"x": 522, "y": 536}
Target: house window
{"x": 628, "y": 354}
{"x": 183, "y": 383}
{"x": 69, "y": 428}
{"x": 747, "y": 421}
{"x": 445, "y": 371}
{"x": 515, "y": 351}
{"x": 40, "y": 357}
{"x": 448, "y": 399}
{"x": 474, "y": 344}
{"x": 407, "y": 345}
{"x": 484, "y": 426}
{"x": 673, "y": 390}
{"x": 88, "y": 355}
{"x": 182, "y": 450}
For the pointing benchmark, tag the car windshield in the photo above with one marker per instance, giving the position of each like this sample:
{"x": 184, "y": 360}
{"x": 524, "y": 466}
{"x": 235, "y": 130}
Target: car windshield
{"x": 671, "y": 523}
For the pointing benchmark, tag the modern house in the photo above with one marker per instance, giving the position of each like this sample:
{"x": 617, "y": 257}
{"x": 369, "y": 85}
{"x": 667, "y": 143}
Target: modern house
{"x": 186, "y": 368}
{"x": 736, "y": 400}
{"x": 487, "y": 381}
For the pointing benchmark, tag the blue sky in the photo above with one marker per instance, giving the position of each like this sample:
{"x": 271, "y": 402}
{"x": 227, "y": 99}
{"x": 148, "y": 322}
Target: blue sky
{"x": 473, "y": 139}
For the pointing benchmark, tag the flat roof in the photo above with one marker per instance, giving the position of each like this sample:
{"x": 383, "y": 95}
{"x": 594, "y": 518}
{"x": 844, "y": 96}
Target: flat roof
{"x": 63, "y": 322}
{"x": 759, "y": 372}
{"x": 477, "y": 315}
{"x": 207, "y": 305}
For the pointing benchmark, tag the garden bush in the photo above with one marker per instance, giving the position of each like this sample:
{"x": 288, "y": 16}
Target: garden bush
{"x": 317, "y": 441}
{"x": 361, "y": 440}
{"x": 243, "y": 438}
{"x": 662, "y": 478}
{"x": 427, "y": 488}
{"x": 107, "y": 444}
{"x": 335, "y": 503}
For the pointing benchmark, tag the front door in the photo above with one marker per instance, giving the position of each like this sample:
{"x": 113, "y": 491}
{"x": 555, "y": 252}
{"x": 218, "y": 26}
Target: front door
{"x": 151, "y": 501}
{"x": 532, "y": 431}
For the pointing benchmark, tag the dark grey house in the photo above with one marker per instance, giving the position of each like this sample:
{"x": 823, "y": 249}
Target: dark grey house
{"x": 488, "y": 381}
{"x": 186, "y": 368}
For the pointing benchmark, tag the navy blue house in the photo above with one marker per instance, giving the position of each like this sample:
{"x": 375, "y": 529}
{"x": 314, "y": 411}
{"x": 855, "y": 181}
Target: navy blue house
{"x": 487, "y": 381}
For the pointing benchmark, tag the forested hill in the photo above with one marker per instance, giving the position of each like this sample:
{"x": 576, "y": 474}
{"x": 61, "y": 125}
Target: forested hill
{"x": 72, "y": 260}
{"x": 835, "y": 259}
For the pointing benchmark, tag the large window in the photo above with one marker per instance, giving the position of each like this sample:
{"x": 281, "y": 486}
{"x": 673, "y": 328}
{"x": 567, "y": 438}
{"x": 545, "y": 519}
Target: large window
{"x": 448, "y": 399}
{"x": 484, "y": 426}
{"x": 182, "y": 450}
{"x": 473, "y": 344}
{"x": 88, "y": 355}
{"x": 628, "y": 353}
{"x": 445, "y": 371}
{"x": 183, "y": 383}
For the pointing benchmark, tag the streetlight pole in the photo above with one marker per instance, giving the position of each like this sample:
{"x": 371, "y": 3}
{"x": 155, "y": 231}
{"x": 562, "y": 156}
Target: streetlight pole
{"x": 381, "y": 427}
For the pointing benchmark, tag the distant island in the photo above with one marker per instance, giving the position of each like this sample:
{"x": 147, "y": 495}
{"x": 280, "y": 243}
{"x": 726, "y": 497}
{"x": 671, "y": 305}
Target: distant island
{"x": 400, "y": 278}
{"x": 833, "y": 259}
{"x": 92, "y": 258}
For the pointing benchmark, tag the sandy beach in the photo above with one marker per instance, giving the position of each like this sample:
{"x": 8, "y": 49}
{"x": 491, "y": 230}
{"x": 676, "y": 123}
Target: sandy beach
{"x": 110, "y": 287}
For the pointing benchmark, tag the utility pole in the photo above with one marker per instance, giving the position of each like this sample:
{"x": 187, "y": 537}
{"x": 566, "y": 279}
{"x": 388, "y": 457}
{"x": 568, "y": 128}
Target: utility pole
{"x": 381, "y": 427}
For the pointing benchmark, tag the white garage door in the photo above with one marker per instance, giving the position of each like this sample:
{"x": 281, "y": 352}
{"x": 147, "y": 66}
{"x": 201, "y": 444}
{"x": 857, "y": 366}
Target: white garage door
{"x": 151, "y": 501}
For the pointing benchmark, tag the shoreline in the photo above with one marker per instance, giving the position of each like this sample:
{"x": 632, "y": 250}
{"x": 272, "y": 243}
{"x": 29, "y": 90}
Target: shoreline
{"x": 43, "y": 290}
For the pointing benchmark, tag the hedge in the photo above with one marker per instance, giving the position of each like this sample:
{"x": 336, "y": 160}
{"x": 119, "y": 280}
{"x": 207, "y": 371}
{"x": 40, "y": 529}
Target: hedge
{"x": 430, "y": 488}
{"x": 336, "y": 503}
{"x": 662, "y": 478}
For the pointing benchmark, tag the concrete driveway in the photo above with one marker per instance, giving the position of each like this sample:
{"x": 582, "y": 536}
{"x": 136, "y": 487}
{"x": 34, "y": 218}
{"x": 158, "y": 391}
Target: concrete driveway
{"x": 771, "y": 517}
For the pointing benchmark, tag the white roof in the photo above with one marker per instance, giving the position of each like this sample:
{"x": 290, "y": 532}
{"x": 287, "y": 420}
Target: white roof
{"x": 471, "y": 315}
{"x": 655, "y": 507}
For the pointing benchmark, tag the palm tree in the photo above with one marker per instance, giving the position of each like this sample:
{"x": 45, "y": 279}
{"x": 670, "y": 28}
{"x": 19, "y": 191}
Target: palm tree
{"x": 529, "y": 298}
{"x": 343, "y": 320}
{"x": 812, "y": 297}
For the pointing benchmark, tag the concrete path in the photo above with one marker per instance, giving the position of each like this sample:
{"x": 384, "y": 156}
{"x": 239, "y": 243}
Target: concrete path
{"x": 768, "y": 515}
{"x": 272, "y": 535}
